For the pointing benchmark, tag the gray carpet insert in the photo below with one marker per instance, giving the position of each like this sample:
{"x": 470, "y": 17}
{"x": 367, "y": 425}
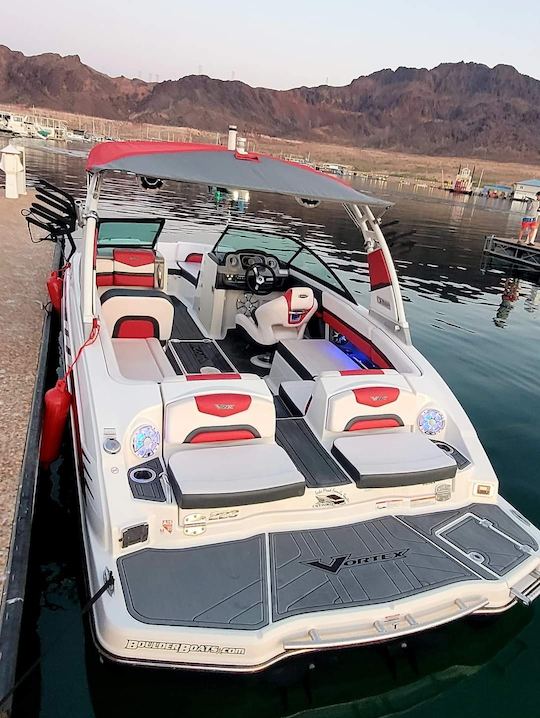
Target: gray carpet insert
{"x": 357, "y": 565}
{"x": 217, "y": 586}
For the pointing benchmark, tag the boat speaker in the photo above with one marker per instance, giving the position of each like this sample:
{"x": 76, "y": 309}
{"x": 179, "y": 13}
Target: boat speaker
{"x": 151, "y": 183}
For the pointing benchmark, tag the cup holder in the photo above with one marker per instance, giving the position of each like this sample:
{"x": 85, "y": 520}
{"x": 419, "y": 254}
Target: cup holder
{"x": 445, "y": 447}
{"x": 142, "y": 476}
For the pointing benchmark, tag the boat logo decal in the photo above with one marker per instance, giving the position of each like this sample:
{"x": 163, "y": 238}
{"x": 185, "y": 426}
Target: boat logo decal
{"x": 443, "y": 492}
{"x": 382, "y": 301}
{"x": 227, "y": 514}
{"x": 325, "y": 498}
{"x": 336, "y": 563}
{"x": 167, "y": 525}
{"x": 184, "y": 647}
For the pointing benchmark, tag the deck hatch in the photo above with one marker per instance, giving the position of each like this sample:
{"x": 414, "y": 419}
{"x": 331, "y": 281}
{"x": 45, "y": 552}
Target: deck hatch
{"x": 482, "y": 536}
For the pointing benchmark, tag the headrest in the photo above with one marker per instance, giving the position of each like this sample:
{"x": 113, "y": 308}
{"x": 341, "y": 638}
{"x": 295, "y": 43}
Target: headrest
{"x": 299, "y": 298}
{"x": 133, "y": 257}
{"x": 137, "y": 313}
{"x": 133, "y": 267}
{"x": 200, "y": 412}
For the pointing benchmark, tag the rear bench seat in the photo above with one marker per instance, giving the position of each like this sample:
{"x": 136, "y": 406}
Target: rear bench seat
{"x": 367, "y": 418}
{"x": 389, "y": 460}
{"x": 219, "y": 440}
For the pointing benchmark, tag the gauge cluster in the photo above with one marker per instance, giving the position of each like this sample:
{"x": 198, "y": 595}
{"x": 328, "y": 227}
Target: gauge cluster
{"x": 232, "y": 270}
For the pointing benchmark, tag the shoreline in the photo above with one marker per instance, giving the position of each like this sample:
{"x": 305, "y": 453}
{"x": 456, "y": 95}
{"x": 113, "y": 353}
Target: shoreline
{"x": 397, "y": 164}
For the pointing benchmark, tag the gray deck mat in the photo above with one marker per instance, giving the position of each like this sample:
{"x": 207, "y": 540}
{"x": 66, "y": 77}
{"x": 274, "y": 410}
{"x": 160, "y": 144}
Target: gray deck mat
{"x": 318, "y": 467}
{"x": 357, "y": 565}
{"x": 195, "y": 355}
{"x": 183, "y": 325}
{"x": 227, "y": 582}
{"x": 224, "y": 585}
{"x": 497, "y": 553}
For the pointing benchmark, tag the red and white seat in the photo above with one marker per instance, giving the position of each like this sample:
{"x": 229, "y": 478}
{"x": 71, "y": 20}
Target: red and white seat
{"x": 133, "y": 267}
{"x": 361, "y": 400}
{"x": 285, "y": 317}
{"x": 219, "y": 440}
{"x": 137, "y": 313}
{"x": 214, "y": 408}
{"x": 367, "y": 418}
{"x": 132, "y": 303}
{"x": 125, "y": 267}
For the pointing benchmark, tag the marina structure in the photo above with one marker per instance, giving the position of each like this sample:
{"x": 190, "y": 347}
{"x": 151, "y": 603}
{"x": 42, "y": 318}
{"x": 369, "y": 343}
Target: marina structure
{"x": 33, "y": 126}
{"x": 526, "y": 189}
{"x": 510, "y": 250}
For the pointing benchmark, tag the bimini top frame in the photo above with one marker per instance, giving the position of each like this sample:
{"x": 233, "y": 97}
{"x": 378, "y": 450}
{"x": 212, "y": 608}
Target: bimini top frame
{"x": 214, "y": 165}
{"x": 217, "y": 166}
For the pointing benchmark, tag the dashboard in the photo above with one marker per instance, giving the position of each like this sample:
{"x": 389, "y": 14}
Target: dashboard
{"x": 232, "y": 268}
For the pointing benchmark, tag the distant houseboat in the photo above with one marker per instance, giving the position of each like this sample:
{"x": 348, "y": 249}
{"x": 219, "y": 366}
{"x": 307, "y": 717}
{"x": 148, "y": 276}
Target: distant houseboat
{"x": 526, "y": 189}
{"x": 463, "y": 183}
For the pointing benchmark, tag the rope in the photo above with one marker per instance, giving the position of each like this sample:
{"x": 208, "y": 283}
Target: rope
{"x": 32, "y": 667}
{"x": 109, "y": 583}
{"x": 91, "y": 339}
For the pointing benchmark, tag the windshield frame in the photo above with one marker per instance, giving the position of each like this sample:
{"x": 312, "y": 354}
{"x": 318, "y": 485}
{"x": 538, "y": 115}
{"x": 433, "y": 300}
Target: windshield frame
{"x": 130, "y": 220}
{"x": 339, "y": 287}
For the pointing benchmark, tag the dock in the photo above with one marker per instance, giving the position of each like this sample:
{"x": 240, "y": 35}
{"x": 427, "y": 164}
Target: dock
{"x": 23, "y": 273}
{"x": 513, "y": 251}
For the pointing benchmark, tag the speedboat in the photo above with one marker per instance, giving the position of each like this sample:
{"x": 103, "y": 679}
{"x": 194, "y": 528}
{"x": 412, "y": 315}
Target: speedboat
{"x": 265, "y": 467}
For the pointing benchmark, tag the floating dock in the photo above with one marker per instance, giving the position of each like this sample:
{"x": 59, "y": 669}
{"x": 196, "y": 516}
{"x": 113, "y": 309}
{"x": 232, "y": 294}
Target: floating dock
{"x": 513, "y": 251}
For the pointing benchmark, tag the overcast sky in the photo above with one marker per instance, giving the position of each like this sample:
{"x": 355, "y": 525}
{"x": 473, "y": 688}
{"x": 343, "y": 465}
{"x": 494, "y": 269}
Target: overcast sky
{"x": 277, "y": 43}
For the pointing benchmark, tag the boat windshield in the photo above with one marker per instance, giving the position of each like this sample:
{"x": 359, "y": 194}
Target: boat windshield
{"x": 290, "y": 252}
{"x": 243, "y": 240}
{"x": 129, "y": 232}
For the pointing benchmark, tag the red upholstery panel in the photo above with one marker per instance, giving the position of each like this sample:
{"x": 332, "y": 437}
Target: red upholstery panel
{"x": 195, "y": 257}
{"x": 133, "y": 267}
{"x": 374, "y": 423}
{"x": 105, "y": 279}
{"x": 211, "y": 377}
{"x": 133, "y": 280}
{"x": 223, "y": 404}
{"x": 135, "y": 328}
{"x": 376, "y": 395}
{"x": 134, "y": 257}
{"x": 205, "y": 437}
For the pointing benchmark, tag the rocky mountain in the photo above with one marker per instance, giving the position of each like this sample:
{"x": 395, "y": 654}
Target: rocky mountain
{"x": 453, "y": 109}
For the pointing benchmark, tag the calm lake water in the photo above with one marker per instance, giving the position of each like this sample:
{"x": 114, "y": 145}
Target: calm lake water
{"x": 480, "y": 327}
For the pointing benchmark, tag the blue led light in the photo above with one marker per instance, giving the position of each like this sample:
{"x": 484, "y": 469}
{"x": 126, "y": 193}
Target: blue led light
{"x": 431, "y": 422}
{"x": 145, "y": 441}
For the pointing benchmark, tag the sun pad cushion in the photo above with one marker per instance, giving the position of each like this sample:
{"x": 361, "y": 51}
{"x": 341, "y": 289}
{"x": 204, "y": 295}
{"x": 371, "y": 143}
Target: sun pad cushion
{"x": 234, "y": 476}
{"x": 393, "y": 459}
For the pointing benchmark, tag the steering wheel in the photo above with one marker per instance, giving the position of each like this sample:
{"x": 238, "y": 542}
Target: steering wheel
{"x": 261, "y": 279}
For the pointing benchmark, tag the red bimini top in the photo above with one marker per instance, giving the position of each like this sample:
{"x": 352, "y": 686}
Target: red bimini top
{"x": 217, "y": 166}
